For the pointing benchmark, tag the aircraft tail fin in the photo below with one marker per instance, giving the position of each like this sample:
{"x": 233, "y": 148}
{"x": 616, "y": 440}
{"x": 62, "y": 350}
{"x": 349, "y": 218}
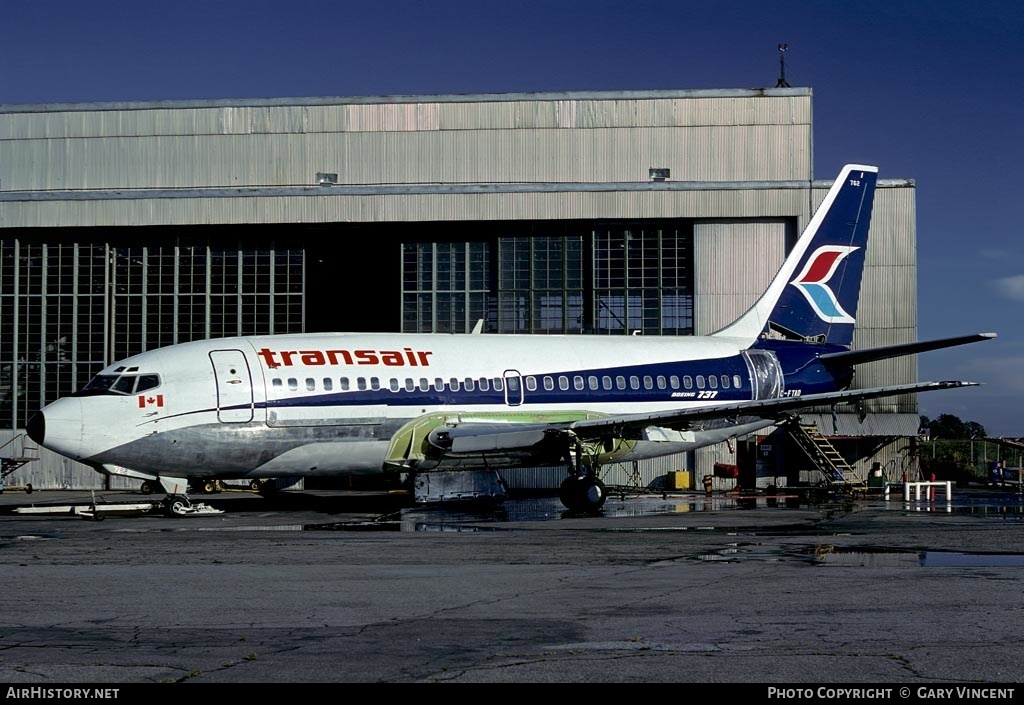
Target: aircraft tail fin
{"x": 814, "y": 296}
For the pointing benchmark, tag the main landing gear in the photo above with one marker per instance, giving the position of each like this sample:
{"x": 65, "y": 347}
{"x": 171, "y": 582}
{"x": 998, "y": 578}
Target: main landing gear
{"x": 582, "y": 491}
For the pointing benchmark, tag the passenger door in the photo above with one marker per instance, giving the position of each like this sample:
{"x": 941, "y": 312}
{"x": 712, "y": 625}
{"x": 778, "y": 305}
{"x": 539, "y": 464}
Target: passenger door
{"x": 234, "y": 386}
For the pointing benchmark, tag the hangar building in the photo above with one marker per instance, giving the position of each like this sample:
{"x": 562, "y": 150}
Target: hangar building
{"x": 129, "y": 226}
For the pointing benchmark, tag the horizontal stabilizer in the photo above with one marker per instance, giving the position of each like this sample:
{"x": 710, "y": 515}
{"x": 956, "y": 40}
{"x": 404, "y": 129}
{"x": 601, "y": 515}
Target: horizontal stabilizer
{"x": 857, "y": 357}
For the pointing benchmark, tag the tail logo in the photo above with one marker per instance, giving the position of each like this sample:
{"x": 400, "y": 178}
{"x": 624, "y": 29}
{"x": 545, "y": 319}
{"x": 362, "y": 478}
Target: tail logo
{"x": 813, "y": 283}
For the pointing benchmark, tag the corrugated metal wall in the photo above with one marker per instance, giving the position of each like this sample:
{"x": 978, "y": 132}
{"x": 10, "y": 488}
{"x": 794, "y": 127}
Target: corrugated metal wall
{"x": 755, "y": 135}
{"x": 734, "y": 263}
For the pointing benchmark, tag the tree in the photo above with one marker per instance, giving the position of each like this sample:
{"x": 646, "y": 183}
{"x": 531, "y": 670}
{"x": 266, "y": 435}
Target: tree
{"x": 949, "y": 427}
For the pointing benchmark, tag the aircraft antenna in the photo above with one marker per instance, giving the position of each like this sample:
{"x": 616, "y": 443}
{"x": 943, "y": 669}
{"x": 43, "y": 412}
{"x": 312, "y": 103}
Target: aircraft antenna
{"x": 782, "y": 83}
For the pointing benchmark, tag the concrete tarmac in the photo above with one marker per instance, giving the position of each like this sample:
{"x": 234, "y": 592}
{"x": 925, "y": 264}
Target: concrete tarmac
{"x": 334, "y": 587}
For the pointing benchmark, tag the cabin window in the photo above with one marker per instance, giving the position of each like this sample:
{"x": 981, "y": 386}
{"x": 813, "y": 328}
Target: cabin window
{"x": 592, "y": 383}
{"x": 293, "y": 384}
{"x": 634, "y": 382}
{"x": 394, "y": 385}
{"x": 438, "y": 384}
{"x": 513, "y": 384}
{"x": 485, "y": 384}
{"x": 687, "y": 382}
{"x": 700, "y": 381}
{"x": 277, "y": 384}
{"x": 549, "y": 384}
{"x": 410, "y": 384}
{"x": 310, "y": 384}
{"x": 577, "y": 383}
{"x": 454, "y": 384}
{"x": 361, "y": 383}
{"x": 713, "y": 381}
{"x": 606, "y": 383}
{"x": 531, "y": 384}
{"x": 648, "y": 382}
{"x": 328, "y": 384}
{"x": 661, "y": 382}
{"x": 673, "y": 382}
{"x": 620, "y": 382}
{"x": 424, "y": 384}
{"x": 725, "y": 381}
{"x": 563, "y": 383}
{"x": 737, "y": 382}
{"x": 374, "y": 383}
{"x": 470, "y": 384}
{"x": 343, "y": 384}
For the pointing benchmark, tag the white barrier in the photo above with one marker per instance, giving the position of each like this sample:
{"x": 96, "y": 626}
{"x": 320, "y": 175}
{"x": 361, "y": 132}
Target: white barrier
{"x": 918, "y": 487}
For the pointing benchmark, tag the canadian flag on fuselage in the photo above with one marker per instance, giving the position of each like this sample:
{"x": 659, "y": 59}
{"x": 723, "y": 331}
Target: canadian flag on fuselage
{"x": 146, "y": 401}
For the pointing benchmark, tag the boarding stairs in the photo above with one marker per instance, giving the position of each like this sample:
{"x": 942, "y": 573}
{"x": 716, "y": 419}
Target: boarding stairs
{"x": 820, "y": 451}
{"x": 10, "y": 463}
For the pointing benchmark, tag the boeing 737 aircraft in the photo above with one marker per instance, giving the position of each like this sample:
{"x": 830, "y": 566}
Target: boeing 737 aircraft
{"x": 290, "y": 406}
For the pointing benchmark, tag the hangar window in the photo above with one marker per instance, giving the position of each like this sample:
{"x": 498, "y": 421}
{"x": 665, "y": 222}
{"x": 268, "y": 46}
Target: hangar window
{"x": 446, "y": 286}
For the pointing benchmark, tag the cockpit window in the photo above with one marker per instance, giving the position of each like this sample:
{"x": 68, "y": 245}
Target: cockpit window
{"x": 123, "y": 384}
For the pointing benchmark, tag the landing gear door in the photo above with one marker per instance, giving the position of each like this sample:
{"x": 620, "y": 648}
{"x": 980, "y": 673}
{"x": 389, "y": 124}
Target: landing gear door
{"x": 766, "y": 376}
{"x": 234, "y": 386}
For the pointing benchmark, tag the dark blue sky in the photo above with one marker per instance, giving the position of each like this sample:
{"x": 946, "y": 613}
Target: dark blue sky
{"x": 926, "y": 90}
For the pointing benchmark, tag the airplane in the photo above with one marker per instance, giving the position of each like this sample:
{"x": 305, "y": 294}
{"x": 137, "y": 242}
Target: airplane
{"x": 327, "y": 404}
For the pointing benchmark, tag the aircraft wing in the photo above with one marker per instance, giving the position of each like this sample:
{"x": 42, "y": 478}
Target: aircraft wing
{"x": 483, "y": 436}
{"x": 764, "y": 408}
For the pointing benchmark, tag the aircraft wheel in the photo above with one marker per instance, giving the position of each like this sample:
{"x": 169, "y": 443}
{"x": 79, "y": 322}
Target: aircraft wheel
{"x": 582, "y": 493}
{"x": 177, "y": 506}
{"x": 146, "y": 487}
{"x": 209, "y": 487}
{"x": 254, "y": 485}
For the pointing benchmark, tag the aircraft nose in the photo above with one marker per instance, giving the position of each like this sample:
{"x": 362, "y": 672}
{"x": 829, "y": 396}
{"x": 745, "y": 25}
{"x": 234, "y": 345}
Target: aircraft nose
{"x": 36, "y": 427}
{"x": 59, "y": 427}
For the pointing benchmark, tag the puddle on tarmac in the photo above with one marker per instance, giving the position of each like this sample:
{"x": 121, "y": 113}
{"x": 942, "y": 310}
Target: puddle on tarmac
{"x": 894, "y": 558}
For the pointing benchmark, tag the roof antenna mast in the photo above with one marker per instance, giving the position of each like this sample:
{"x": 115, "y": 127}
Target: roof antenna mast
{"x": 783, "y": 48}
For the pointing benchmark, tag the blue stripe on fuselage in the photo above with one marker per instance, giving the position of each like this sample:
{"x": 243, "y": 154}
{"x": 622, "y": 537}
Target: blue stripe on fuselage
{"x": 729, "y": 366}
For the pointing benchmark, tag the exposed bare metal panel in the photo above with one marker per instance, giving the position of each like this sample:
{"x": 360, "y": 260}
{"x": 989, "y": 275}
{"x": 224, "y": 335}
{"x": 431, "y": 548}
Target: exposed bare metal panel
{"x": 734, "y": 263}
